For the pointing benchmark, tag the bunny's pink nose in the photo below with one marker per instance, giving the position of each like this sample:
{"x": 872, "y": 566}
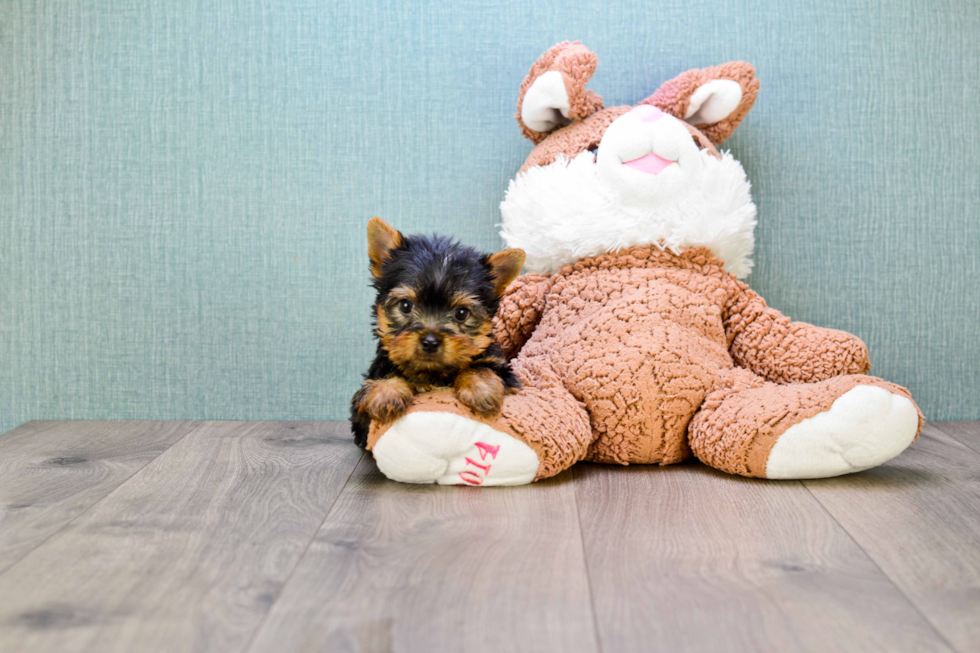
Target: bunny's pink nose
{"x": 648, "y": 113}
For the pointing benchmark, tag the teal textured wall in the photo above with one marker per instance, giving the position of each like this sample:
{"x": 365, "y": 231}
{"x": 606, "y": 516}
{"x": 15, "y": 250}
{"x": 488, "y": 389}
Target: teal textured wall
{"x": 184, "y": 185}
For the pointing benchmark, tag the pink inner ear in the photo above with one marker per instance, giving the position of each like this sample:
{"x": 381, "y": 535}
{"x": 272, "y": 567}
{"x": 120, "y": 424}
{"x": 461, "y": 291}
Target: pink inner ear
{"x": 648, "y": 113}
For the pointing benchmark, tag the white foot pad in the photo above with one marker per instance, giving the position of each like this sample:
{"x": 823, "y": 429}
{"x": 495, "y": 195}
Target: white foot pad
{"x": 864, "y": 427}
{"x": 444, "y": 448}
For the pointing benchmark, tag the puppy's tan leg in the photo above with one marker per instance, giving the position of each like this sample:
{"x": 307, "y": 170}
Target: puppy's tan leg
{"x": 385, "y": 400}
{"x": 480, "y": 390}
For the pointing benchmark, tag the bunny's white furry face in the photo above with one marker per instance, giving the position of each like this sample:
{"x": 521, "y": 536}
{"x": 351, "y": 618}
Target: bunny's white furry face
{"x": 648, "y": 182}
{"x": 603, "y": 179}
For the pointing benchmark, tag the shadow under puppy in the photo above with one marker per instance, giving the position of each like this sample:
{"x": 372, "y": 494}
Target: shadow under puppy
{"x": 433, "y": 310}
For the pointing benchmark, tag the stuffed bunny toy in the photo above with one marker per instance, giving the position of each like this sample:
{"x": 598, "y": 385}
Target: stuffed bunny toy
{"x": 633, "y": 338}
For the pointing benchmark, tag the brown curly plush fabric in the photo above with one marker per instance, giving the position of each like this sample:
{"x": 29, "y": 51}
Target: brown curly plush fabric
{"x": 657, "y": 352}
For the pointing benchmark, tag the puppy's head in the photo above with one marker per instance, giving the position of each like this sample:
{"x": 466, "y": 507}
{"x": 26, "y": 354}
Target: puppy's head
{"x": 435, "y": 298}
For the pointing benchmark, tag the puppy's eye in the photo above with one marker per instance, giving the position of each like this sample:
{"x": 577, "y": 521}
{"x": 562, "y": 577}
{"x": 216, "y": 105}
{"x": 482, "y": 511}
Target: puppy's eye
{"x": 461, "y": 314}
{"x": 405, "y": 306}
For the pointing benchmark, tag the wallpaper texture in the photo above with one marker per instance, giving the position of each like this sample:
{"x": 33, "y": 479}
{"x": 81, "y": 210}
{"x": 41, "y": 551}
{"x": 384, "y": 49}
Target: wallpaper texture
{"x": 184, "y": 186}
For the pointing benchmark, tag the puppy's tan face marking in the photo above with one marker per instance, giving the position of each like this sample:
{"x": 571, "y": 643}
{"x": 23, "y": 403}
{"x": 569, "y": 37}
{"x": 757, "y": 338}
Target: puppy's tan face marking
{"x": 463, "y": 331}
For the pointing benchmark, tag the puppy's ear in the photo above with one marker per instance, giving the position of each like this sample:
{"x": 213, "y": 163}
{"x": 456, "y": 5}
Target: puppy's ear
{"x": 382, "y": 239}
{"x": 553, "y": 94}
{"x": 505, "y": 265}
{"x": 715, "y": 100}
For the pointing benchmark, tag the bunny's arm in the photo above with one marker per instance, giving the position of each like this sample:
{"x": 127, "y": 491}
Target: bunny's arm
{"x": 767, "y": 342}
{"x": 519, "y": 312}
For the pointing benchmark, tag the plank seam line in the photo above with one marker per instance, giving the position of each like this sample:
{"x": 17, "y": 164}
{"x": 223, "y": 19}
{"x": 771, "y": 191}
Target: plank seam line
{"x": 888, "y": 577}
{"x": 258, "y": 628}
{"x": 198, "y": 425}
{"x": 585, "y": 561}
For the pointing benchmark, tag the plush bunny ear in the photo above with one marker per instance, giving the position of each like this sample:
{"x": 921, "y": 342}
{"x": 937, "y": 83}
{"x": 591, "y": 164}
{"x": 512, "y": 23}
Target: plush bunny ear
{"x": 553, "y": 94}
{"x": 715, "y": 100}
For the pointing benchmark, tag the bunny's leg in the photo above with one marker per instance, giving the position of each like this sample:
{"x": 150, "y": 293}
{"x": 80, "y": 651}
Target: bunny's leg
{"x": 845, "y": 424}
{"x": 540, "y": 431}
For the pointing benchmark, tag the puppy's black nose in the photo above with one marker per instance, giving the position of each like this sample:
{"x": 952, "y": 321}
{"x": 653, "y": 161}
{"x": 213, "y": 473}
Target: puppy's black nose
{"x": 430, "y": 343}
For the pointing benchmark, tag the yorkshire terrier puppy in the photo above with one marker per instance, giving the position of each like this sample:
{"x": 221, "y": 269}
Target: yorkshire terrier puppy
{"x": 432, "y": 317}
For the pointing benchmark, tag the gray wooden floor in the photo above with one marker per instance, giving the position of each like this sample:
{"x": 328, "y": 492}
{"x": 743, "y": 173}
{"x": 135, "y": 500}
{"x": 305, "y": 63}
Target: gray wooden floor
{"x": 274, "y": 536}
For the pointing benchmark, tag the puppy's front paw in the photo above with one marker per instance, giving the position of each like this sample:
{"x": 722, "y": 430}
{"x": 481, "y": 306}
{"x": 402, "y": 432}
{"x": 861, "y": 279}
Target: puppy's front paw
{"x": 385, "y": 400}
{"x": 480, "y": 390}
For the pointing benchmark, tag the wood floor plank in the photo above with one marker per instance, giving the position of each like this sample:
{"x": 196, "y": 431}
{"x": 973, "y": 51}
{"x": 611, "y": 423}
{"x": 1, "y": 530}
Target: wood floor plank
{"x": 189, "y": 553}
{"x": 50, "y": 472}
{"x": 967, "y": 433}
{"x": 687, "y": 558}
{"x": 428, "y": 568}
{"x": 918, "y": 517}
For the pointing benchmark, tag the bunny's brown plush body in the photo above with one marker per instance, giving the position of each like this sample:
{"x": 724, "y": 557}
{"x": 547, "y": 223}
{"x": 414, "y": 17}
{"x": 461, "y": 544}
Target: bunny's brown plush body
{"x": 632, "y": 336}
